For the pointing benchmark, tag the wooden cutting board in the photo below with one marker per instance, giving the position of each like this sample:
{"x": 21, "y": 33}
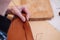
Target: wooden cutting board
{"x": 39, "y": 9}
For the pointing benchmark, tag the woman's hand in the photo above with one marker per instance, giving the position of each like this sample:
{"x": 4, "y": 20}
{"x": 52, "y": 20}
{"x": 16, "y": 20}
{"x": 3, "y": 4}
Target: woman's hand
{"x": 17, "y": 11}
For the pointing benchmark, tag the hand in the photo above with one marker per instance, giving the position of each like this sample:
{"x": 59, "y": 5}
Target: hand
{"x": 17, "y": 11}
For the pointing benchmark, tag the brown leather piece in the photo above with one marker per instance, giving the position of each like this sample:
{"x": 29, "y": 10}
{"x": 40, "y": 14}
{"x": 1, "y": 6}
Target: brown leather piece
{"x": 19, "y": 30}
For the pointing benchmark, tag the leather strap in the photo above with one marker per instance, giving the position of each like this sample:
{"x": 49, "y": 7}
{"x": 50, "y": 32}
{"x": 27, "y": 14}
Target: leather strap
{"x": 19, "y": 30}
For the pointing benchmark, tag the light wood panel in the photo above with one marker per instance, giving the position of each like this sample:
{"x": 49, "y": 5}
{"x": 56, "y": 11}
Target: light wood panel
{"x": 14, "y": 3}
{"x": 43, "y": 30}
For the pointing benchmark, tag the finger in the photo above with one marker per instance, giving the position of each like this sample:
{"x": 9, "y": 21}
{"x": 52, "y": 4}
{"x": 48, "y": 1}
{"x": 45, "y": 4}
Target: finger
{"x": 22, "y": 17}
{"x": 27, "y": 12}
{"x": 18, "y": 13}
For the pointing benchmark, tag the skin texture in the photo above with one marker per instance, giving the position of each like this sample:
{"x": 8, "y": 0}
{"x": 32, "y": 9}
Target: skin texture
{"x": 16, "y": 10}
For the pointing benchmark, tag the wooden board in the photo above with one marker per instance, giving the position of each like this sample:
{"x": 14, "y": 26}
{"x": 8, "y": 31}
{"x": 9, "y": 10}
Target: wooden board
{"x": 39, "y": 9}
{"x": 43, "y": 30}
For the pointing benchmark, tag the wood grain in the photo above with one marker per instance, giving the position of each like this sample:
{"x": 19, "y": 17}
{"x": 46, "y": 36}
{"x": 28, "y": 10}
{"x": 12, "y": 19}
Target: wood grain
{"x": 39, "y": 9}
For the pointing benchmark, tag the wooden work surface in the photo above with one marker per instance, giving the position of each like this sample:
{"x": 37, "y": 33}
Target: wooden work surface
{"x": 43, "y": 30}
{"x": 39, "y": 9}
